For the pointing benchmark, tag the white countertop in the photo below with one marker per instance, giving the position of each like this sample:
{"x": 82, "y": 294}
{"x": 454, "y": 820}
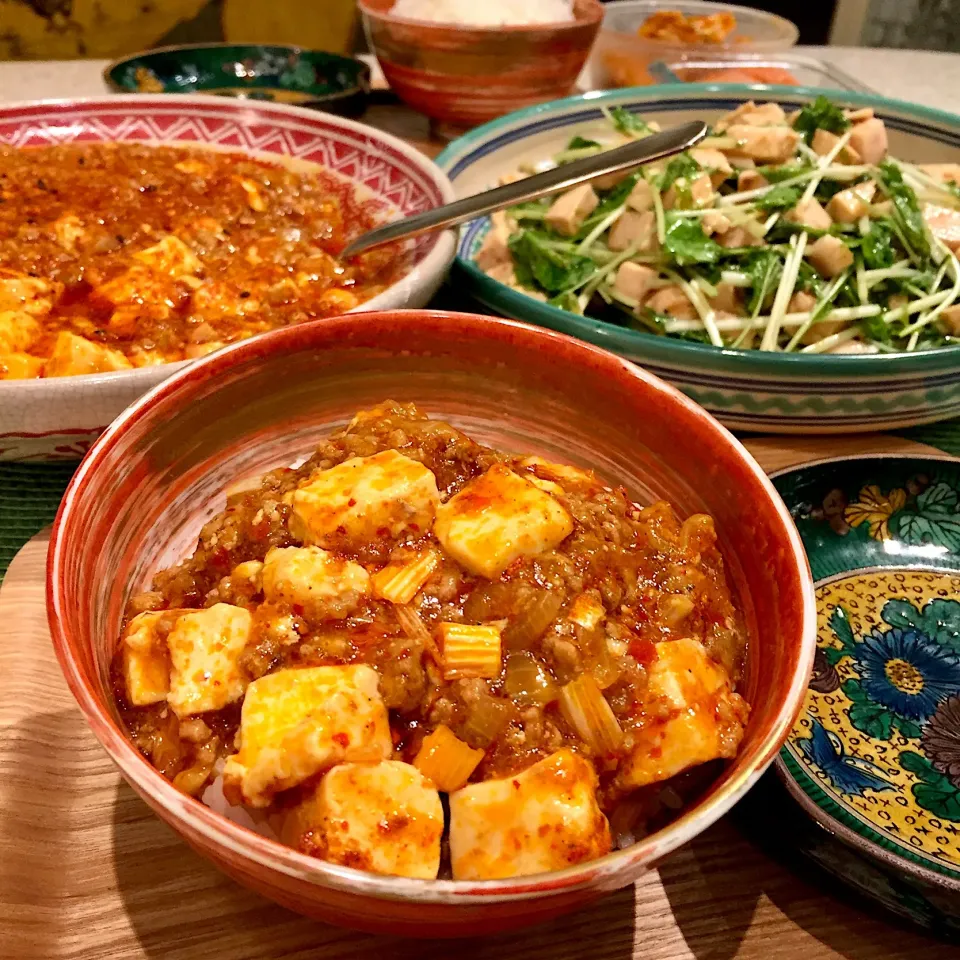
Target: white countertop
{"x": 930, "y": 78}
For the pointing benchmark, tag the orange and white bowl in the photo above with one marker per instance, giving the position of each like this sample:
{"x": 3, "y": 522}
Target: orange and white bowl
{"x": 160, "y": 470}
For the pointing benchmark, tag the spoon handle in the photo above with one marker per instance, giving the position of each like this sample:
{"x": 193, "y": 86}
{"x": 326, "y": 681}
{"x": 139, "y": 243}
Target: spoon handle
{"x": 654, "y": 147}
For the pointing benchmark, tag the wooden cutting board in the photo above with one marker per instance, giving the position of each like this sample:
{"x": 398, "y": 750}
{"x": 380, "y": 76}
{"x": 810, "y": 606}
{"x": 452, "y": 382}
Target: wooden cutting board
{"x": 86, "y": 871}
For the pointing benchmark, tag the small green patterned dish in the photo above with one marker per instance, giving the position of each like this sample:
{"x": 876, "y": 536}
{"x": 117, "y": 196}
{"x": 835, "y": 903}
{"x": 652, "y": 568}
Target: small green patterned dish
{"x": 874, "y": 757}
{"x": 282, "y": 74}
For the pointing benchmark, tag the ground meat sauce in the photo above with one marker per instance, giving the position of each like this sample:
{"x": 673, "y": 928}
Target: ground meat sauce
{"x": 653, "y": 578}
{"x": 163, "y": 253}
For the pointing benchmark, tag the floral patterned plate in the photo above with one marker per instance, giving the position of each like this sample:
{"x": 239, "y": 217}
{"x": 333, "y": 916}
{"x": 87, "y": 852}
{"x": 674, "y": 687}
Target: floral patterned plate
{"x": 874, "y": 756}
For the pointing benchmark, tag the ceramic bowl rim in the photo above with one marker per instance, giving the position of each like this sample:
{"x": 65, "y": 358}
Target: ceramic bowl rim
{"x": 225, "y": 834}
{"x": 434, "y": 264}
{"x": 810, "y": 807}
{"x": 360, "y": 85}
{"x": 663, "y": 349}
{"x": 594, "y": 16}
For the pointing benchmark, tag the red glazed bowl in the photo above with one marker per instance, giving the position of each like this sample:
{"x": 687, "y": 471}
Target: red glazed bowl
{"x": 140, "y": 496}
{"x": 462, "y": 76}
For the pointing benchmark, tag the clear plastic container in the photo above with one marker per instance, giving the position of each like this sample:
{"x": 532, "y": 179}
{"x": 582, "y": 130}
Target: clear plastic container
{"x": 784, "y": 68}
{"x": 621, "y": 58}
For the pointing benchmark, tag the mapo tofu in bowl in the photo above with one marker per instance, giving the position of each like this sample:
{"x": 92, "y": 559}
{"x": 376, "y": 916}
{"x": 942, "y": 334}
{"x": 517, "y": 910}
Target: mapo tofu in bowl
{"x": 411, "y": 622}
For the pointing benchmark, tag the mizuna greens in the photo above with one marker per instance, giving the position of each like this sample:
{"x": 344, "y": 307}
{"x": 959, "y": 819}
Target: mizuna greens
{"x": 795, "y": 234}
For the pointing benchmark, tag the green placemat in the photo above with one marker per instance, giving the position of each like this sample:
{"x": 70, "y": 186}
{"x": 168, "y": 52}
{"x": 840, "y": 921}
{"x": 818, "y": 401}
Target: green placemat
{"x": 29, "y": 496}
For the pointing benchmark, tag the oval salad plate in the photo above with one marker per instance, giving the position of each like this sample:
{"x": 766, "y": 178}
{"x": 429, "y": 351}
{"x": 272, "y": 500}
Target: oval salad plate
{"x": 768, "y": 391}
{"x": 874, "y": 757}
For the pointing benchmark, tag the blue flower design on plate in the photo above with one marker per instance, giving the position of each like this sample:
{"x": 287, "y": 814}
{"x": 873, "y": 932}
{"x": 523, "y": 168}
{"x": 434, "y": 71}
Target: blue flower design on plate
{"x": 847, "y": 774}
{"x": 906, "y": 672}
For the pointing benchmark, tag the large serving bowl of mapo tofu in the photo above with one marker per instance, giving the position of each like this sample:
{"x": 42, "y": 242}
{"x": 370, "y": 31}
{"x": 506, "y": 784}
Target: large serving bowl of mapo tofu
{"x": 428, "y": 622}
{"x": 138, "y": 233}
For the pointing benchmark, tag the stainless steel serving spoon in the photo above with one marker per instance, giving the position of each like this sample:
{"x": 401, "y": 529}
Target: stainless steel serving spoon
{"x": 619, "y": 159}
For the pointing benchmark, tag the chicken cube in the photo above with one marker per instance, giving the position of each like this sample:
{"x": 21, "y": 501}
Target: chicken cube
{"x": 145, "y": 657}
{"x": 801, "y": 302}
{"x": 20, "y": 366}
{"x": 830, "y": 255}
{"x": 73, "y": 355}
{"x": 170, "y": 256}
{"x": 810, "y": 214}
{"x": 824, "y": 141}
{"x": 634, "y": 230}
{"x": 640, "y": 198}
{"x": 324, "y": 586}
{"x": 950, "y": 321}
{"x": 205, "y": 647}
{"x": 544, "y": 818}
{"x": 737, "y": 237}
{"x": 671, "y": 301}
{"x": 498, "y": 518}
{"x": 944, "y": 224}
{"x": 18, "y": 330}
{"x": 691, "y": 715}
{"x": 849, "y": 205}
{"x": 751, "y": 180}
{"x": 689, "y": 194}
{"x": 727, "y": 299}
{"x": 715, "y": 222}
{"x": 869, "y": 139}
{"x": 634, "y": 280}
{"x": 942, "y": 172}
{"x": 363, "y": 499}
{"x": 299, "y": 722}
{"x": 713, "y": 162}
{"x": 862, "y": 113}
{"x": 765, "y": 144}
{"x": 383, "y": 818}
{"x": 765, "y": 115}
{"x": 569, "y": 210}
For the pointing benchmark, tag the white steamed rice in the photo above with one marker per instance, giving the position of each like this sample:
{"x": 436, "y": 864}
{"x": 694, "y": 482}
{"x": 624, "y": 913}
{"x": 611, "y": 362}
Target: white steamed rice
{"x": 489, "y": 13}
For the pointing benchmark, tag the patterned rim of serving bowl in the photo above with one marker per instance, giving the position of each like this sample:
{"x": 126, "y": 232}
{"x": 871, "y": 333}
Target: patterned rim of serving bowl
{"x": 664, "y": 355}
{"x": 33, "y": 409}
{"x": 507, "y": 338}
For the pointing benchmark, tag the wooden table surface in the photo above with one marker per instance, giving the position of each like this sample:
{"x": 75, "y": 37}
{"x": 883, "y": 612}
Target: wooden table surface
{"x": 86, "y": 871}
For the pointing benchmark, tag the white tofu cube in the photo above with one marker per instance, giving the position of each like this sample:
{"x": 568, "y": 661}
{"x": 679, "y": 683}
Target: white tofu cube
{"x": 20, "y": 366}
{"x": 634, "y": 280}
{"x": 170, "y": 256}
{"x": 27, "y": 294}
{"x": 497, "y": 518}
{"x": 18, "y": 330}
{"x": 384, "y": 818}
{"x": 830, "y": 255}
{"x": 324, "y": 586}
{"x": 569, "y": 210}
{"x": 545, "y": 818}
{"x": 365, "y": 499}
{"x": 73, "y": 355}
{"x": 869, "y": 139}
{"x": 205, "y": 647}
{"x": 145, "y": 658}
{"x": 299, "y": 722}
{"x": 691, "y": 715}
{"x": 810, "y": 214}
{"x": 634, "y": 230}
